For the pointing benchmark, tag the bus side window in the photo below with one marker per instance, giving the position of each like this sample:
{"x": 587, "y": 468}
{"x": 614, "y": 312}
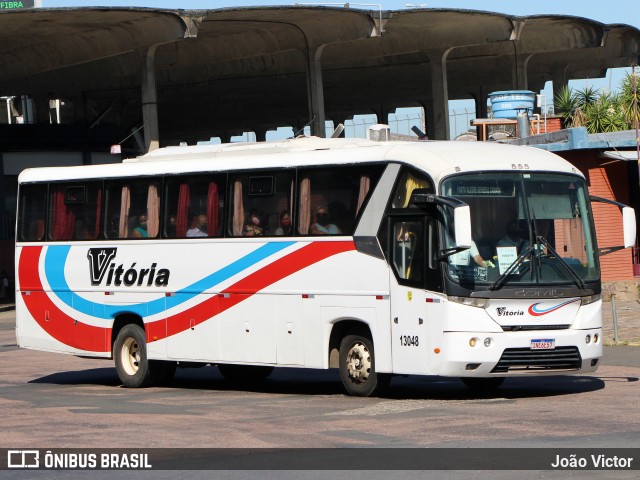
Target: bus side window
{"x": 193, "y": 206}
{"x": 133, "y": 203}
{"x": 407, "y": 183}
{"x": 408, "y": 250}
{"x": 338, "y": 193}
{"x": 33, "y": 208}
{"x": 257, "y": 203}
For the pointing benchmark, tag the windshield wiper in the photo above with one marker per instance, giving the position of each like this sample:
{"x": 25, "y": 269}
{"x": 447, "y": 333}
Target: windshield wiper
{"x": 516, "y": 263}
{"x": 577, "y": 280}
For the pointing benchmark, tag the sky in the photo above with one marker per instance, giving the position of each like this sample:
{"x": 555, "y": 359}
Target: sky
{"x": 608, "y": 12}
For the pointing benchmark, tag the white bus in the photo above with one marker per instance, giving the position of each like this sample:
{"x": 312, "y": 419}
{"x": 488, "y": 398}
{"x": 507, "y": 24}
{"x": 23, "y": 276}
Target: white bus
{"x": 462, "y": 259}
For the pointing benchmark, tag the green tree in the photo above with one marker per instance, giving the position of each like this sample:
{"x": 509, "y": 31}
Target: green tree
{"x": 630, "y": 99}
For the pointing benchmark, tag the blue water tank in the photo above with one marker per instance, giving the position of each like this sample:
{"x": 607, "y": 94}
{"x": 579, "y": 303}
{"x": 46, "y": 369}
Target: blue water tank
{"x": 509, "y": 103}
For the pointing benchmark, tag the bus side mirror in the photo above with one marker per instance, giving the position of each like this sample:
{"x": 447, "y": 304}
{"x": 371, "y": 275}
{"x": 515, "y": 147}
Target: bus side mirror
{"x": 462, "y": 229}
{"x": 629, "y": 226}
{"x": 461, "y": 215}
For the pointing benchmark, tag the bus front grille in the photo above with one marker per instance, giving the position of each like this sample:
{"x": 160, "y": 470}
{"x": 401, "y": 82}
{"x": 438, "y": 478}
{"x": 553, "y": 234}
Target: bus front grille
{"x": 518, "y": 328}
{"x": 523, "y": 360}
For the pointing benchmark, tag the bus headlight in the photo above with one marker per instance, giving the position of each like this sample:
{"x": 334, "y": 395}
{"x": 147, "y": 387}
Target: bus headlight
{"x": 487, "y": 342}
{"x": 472, "y": 342}
{"x": 469, "y": 301}
{"x": 589, "y": 299}
{"x": 587, "y": 339}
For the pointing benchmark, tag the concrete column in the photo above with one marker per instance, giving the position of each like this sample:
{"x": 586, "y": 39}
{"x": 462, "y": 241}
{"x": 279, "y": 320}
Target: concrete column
{"x": 261, "y": 135}
{"x": 438, "y": 108}
{"x": 519, "y": 65}
{"x": 41, "y": 108}
{"x": 150, "y": 101}
{"x": 315, "y": 91}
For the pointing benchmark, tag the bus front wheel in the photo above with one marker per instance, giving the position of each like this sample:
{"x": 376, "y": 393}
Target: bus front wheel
{"x": 130, "y": 354}
{"x": 357, "y": 366}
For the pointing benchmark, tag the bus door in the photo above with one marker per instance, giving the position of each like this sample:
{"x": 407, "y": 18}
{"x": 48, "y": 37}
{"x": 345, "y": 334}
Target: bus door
{"x": 416, "y": 308}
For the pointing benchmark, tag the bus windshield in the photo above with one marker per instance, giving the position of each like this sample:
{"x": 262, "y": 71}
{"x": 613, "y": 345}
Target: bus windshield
{"x": 528, "y": 229}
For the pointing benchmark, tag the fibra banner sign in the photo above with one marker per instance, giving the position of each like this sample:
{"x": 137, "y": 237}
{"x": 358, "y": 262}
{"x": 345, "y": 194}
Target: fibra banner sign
{"x": 17, "y": 5}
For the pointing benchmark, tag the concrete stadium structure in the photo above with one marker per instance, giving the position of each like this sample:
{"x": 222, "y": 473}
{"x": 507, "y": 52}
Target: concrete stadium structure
{"x": 189, "y": 75}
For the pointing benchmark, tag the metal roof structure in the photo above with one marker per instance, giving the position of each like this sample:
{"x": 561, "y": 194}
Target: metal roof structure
{"x": 189, "y": 75}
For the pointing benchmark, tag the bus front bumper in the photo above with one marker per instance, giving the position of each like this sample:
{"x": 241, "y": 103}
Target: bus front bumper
{"x": 541, "y": 352}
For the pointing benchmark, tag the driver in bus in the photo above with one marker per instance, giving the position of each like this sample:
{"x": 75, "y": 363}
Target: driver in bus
{"x": 513, "y": 237}
{"x": 466, "y": 257}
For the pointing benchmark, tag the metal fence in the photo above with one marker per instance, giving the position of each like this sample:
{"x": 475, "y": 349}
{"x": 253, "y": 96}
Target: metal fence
{"x": 459, "y": 121}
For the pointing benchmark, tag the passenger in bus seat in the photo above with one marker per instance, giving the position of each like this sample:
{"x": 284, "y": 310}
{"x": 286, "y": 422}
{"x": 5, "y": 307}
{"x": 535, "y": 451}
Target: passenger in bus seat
{"x": 285, "y": 224}
{"x": 140, "y": 230}
{"x": 253, "y": 225}
{"x": 323, "y": 225}
{"x": 172, "y": 226}
{"x": 198, "y": 227}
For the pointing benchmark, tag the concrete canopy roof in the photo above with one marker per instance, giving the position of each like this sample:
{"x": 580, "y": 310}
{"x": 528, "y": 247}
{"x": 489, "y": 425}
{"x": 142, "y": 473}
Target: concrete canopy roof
{"x": 221, "y": 72}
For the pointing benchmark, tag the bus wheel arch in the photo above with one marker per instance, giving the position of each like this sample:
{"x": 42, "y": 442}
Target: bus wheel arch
{"x": 356, "y": 359}
{"x": 129, "y": 351}
{"x": 122, "y": 321}
{"x": 338, "y": 332}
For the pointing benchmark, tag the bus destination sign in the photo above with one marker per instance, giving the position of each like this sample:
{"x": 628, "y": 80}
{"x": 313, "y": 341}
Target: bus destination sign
{"x": 484, "y": 189}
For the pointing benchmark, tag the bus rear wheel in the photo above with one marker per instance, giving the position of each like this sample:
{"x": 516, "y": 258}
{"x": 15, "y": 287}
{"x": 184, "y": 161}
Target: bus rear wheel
{"x": 130, "y": 355}
{"x": 357, "y": 366}
{"x": 482, "y": 384}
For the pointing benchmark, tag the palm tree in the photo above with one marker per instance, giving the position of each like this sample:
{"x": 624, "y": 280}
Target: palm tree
{"x": 605, "y": 114}
{"x": 566, "y": 103}
{"x": 630, "y": 98}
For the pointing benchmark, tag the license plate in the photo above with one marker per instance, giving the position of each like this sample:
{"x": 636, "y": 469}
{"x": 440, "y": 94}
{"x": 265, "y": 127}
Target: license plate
{"x": 544, "y": 344}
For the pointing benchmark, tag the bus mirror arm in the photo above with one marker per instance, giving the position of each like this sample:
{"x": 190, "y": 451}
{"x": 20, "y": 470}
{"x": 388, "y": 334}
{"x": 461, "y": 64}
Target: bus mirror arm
{"x": 461, "y": 216}
{"x": 628, "y": 224}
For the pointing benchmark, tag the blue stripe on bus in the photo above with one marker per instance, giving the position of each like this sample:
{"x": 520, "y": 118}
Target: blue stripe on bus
{"x": 56, "y": 258}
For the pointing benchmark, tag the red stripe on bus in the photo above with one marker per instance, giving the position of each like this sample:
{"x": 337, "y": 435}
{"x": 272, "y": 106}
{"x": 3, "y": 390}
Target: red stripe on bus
{"x": 247, "y": 287}
{"x": 96, "y": 339}
{"x": 57, "y": 323}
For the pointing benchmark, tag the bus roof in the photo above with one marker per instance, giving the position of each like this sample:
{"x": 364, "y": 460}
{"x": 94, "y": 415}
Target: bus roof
{"x": 438, "y": 158}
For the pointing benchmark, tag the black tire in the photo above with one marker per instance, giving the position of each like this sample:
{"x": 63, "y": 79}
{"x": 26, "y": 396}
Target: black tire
{"x": 244, "y": 374}
{"x": 130, "y": 355}
{"x": 358, "y": 367}
{"x": 482, "y": 384}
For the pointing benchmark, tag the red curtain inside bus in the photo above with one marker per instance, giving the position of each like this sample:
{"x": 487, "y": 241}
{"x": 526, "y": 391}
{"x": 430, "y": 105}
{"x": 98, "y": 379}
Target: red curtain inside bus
{"x": 63, "y": 220}
{"x": 182, "y": 219}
